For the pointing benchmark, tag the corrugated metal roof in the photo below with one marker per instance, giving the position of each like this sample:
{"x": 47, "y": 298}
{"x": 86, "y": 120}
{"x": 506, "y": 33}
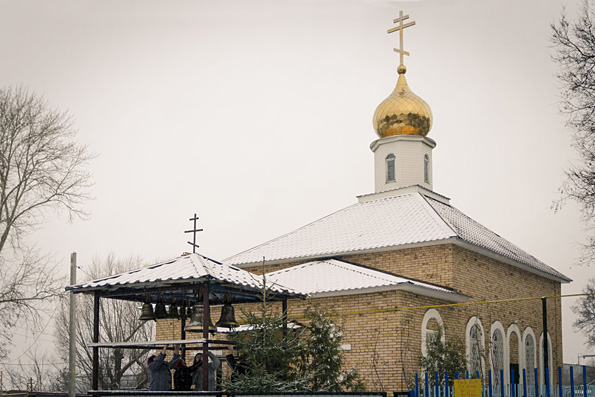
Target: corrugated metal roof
{"x": 192, "y": 267}
{"x": 474, "y": 233}
{"x": 335, "y": 276}
{"x": 394, "y": 221}
{"x": 385, "y": 223}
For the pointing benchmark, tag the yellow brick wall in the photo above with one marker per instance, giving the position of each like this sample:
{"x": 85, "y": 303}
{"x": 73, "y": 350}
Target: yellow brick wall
{"x": 385, "y": 346}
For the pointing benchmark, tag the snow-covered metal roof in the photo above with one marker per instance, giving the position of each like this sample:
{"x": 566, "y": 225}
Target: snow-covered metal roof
{"x": 478, "y": 235}
{"x": 335, "y": 277}
{"x": 184, "y": 272}
{"x": 385, "y": 223}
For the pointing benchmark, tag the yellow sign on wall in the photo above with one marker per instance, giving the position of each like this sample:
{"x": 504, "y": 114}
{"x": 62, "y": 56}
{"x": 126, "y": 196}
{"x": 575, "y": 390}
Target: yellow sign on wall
{"x": 467, "y": 387}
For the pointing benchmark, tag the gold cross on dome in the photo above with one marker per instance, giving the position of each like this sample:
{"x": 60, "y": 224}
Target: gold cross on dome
{"x": 400, "y": 28}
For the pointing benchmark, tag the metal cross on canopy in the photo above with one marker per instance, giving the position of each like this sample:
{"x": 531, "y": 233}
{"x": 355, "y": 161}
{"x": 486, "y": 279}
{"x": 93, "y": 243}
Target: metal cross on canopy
{"x": 193, "y": 231}
{"x": 400, "y": 28}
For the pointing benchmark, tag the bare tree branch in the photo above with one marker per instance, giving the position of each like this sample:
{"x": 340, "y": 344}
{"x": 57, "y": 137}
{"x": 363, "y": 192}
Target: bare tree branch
{"x": 119, "y": 323}
{"x": 574, "y": 51}
{"x": 41, "y": 167}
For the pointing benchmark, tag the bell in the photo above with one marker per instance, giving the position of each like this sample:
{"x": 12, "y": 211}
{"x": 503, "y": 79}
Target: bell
{"x": 195, "y": 324}
{"x": 147, "y": 312}
{"x": 189, "y": 312}
{"x": 228, "y": 318}
{"x": 173, "y": 311}
{"x": 160, "y": 311}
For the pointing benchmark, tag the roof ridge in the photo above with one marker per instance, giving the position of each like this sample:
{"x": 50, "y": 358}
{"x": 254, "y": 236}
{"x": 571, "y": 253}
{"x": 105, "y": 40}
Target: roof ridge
{"x": 193, "y": 258}
{"x": 432, "y": 212}
{"x": 351, "y": 265}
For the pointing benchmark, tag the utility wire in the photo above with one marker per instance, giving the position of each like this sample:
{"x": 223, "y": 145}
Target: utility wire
{"x": 39, "y": 335}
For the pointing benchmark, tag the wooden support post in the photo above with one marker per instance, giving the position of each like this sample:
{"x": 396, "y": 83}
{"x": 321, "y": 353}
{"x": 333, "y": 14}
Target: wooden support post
{"x": 95, "y": 385}
{"x": 206, "y": 317}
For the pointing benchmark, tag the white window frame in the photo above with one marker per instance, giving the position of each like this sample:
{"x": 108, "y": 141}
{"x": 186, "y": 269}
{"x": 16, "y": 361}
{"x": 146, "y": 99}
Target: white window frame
{"x": 429, "y": 315}
{"x": 475, "y": 321}
{"x": 391, "y": 158}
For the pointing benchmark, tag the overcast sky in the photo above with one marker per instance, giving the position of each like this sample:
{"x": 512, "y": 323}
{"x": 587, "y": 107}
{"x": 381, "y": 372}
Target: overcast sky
{"x": 257, "y": 116}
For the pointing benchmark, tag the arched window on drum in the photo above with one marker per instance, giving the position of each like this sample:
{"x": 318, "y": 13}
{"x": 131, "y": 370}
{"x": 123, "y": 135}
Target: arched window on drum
{"x": 390, "y": 168}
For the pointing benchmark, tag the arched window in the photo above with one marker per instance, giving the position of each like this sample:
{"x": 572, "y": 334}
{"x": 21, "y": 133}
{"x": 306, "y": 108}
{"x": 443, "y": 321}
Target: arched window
{"x": 426, "y": 168}
{"x": 430, "y": 325}
{"x": 475, "y": 347}
{"x": 497, "y": 355}
{"x": 390, "y": 168}
{"x": 513, "y": 355}
{"x": 530, "y": 359}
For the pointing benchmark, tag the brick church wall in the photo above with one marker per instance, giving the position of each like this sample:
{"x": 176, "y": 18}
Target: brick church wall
{"x": 385, "y": 346}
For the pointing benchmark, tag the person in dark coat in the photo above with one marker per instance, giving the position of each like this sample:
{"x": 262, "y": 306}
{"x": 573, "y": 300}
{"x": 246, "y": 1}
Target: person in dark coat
{"x": 183, "y": 376}
{"x": 159, "y": 369}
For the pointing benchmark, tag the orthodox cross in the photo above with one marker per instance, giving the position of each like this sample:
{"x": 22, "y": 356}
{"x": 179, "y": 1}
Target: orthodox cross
{"x": 400, "y": 28}
{"x": 193, "y": 231}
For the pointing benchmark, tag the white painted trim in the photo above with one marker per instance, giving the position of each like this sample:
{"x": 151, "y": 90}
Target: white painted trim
{"x": 475, "y": 321}
{"x": 415, "y": 138}
{"x": 529, "y": 331}
{"x": 430, "y": 314}
{"x": 497, "y": 325}
{"x": 513, "y": 329}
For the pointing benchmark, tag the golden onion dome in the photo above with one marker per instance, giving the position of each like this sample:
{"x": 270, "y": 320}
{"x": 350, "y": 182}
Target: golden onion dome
{"x": 403, "y": 112}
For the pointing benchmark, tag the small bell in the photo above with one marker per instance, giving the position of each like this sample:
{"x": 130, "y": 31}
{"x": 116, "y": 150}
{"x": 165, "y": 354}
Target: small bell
{"x": 228, "y": 318}
{"x": 147, "y": 312}
{"x": 173, "y": 311}
{"x": 160, "y": 311}
{"x": 195, "y": 324}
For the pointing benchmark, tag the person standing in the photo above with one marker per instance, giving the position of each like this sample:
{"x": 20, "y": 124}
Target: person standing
{"x": 213, "y": 366}
{"x": 159, "y": 369}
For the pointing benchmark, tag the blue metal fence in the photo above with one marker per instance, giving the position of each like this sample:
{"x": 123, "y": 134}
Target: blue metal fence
{"x": 511, "y": 390}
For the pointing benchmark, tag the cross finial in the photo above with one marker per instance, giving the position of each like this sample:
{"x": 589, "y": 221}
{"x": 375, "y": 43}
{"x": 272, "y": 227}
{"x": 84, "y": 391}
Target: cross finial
{"x": 400, "y": 28}
{"x": 193, "y": 231}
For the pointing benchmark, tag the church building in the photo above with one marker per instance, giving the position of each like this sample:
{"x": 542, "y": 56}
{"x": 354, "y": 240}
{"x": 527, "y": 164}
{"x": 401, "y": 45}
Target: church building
{"x": 402, "y": 262}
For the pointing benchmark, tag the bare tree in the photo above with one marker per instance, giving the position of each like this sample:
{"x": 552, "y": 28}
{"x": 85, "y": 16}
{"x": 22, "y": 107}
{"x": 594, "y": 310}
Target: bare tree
{"x": 585, "y": 311}
{"x": 119, "y": 322}
{"x": 574, "y": 51}
{"x": 41, "y": 373}
{"x": 41, "y": 167}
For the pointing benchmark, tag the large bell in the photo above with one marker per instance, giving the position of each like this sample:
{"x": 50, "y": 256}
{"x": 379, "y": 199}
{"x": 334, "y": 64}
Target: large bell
{"x": 173, "y": 311}
{"x": 195, "y": 324}
{"x": 228, "y": 318}
{"x": 147, "y": 313}
{"x": 160, "y": 311}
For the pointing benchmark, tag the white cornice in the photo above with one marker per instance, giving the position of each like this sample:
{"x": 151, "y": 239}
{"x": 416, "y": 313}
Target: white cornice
{"x": 378, "y": 142}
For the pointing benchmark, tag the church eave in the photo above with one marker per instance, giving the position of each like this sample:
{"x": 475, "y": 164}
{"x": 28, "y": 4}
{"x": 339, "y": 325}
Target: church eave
{"x": 451, "y": 240}
{"x": 330, "y": 255}
{"x": 406, "y": 287}
{"x": 490, "y": 254}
